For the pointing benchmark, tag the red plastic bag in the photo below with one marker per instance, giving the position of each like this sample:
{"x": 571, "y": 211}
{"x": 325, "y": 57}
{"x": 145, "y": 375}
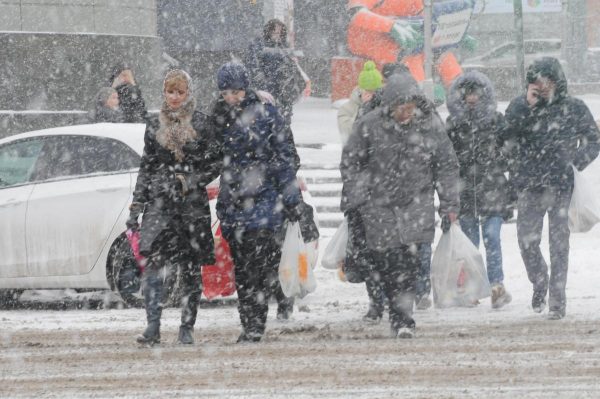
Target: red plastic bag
{"x": 134, "y": 240}
{"x": 219, "y": 279}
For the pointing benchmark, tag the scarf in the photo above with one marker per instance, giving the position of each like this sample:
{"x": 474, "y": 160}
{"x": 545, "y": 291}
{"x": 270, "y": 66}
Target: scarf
{"x": 176, "y": 128}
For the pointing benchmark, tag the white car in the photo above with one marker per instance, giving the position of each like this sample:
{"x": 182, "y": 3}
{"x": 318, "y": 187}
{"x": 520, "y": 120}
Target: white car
{"x": 64, "y": 196}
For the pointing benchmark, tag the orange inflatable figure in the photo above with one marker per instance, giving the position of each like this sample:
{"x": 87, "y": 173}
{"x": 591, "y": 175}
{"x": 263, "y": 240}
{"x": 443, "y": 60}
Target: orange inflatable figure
{"x": 392, "y": 30}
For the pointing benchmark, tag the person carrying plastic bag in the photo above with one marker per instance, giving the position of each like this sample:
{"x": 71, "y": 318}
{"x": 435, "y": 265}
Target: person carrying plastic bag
{"x": 458, "y": 275}
{"x": 395, "y": 158}
{"x": 547, "y": 131}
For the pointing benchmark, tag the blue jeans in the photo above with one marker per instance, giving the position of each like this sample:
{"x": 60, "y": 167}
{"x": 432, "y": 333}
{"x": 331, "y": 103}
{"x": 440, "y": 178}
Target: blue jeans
{"x": 423, "y": 277}
{"x": 490, "y": 229}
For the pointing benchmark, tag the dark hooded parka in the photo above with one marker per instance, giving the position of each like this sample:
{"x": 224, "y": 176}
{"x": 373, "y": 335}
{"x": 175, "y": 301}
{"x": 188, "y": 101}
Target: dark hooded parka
{"x": 389, "y": 170}
{"x": 547, "y": 131}
{"x": 475, "y": 133}
{"x": 548, "y": 137}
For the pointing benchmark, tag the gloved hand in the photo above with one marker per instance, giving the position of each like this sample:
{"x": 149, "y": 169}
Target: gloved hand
{"x": 447, "y": 221}
{"x": 135, "y": 210}
{"x": 469, "y": 43}
{"x": 293, "y": 212}
{"x": 508, "y": 214}
{"x": 408, "y": 34}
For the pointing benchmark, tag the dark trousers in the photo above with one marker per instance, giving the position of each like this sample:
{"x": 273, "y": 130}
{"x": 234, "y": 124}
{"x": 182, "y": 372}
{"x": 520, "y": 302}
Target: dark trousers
{"x": 359, "y": 264}
{"x": 168, "y": 258}
{"x": 532, "y": 207}
{"x": 397, "y": 269}
{"x": 256, "y": 256}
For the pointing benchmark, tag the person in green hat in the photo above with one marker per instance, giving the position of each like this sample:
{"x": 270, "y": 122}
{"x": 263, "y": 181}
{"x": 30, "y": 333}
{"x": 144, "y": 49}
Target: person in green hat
{"x": 358, "y": 262}
{"x": 369, "y": 81}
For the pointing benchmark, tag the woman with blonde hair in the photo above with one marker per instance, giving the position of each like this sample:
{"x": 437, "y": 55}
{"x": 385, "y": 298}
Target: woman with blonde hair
{"x": 181, "y": 156}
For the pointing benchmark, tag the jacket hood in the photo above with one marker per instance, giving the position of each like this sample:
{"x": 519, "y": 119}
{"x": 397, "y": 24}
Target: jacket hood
{"x": 549, "y": 67}
{"x": 402, "y": 88}
{"x": 485, "y": 108}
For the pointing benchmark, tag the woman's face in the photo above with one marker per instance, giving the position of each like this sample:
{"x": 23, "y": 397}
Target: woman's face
{"x": 113, "y": 101}
{"x": 233, "y": 97}
{"x": 176, "y": 95}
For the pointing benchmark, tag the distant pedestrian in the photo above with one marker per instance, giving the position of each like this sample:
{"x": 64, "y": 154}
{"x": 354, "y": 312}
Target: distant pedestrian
{"x": 258, "y": 192}
{"x": 130, "y": 96}
{"x": 389, "y": 166}
{"x": 475, "y": 127}
{"x": 181, "y": 156}
{"x": 106, "y": 107}
{"x": 272, "y": 68}
{"x": 548, "y": 131}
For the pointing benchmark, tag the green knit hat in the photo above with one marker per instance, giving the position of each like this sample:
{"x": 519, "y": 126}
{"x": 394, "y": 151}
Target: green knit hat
{"x": 370, "y": 78}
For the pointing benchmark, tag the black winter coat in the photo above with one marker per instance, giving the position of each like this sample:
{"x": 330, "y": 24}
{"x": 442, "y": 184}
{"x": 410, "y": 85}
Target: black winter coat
{"x": 161, "y": 193}
{"x": 132, "y": 103}
{"x": 475, "y": 135}
{"x": 547, "y": 138}
{"x": 483, "y": 185}
{"x": 272, "y": 69}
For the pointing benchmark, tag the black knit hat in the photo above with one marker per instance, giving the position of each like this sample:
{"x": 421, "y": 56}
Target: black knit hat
{"x": 232, "y": 76}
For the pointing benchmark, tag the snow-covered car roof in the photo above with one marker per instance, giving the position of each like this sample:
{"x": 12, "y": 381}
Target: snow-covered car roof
{"x": 131, "y": 134}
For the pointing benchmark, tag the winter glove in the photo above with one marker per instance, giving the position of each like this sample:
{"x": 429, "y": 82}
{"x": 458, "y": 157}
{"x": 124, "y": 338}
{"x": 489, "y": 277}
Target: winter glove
{"x": 293, "y": 212}
{"x": 447, "y": 221}
{"x": 135, "y": 210}
{"x": 408, "y": 34}
{"x": 508, "y": 214}
{"x": 308, "y": 226}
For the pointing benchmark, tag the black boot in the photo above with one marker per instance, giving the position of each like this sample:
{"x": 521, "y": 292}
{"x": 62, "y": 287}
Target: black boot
{"x": 151, "y": 335}
{"x": 185, "y": 336}
{"x": 285, "y": 308}
{"x": 248, "y": 338}
{"x": 152, "y": 299}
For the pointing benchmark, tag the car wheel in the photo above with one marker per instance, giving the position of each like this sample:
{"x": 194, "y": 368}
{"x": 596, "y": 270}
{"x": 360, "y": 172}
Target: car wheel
{"x": 123, "y": 274}
{"x": 9, "y": 299}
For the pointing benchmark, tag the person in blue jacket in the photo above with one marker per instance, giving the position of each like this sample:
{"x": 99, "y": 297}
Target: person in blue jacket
{"x": 258, "y": 192}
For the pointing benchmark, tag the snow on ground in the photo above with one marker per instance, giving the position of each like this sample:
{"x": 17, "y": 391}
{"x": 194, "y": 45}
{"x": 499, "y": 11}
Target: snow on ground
{"x": 325, "y": 351}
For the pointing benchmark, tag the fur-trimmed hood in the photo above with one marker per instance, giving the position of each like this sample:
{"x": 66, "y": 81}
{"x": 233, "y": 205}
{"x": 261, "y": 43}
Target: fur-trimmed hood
{"x": 485, "y": 110}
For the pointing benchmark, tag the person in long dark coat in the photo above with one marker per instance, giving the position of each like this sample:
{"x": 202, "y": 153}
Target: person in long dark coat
{"x": 258, "y": 192}
{"x": 547, "y": 132}
{"x": 181, "y": 156}
{"x": 389, "y": 166}
{"x": 106, "y": 107}
{"x": 131, "y": 101}
{"x": 475, "y": 126}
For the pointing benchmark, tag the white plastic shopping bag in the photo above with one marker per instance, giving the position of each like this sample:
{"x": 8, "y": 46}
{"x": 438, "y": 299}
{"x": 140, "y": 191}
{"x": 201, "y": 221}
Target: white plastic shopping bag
{"x": 295, "y": 273}
{"x": 584, "y": 211}
{"x": 458, "y": 274}
{"x": 335, "y": 252}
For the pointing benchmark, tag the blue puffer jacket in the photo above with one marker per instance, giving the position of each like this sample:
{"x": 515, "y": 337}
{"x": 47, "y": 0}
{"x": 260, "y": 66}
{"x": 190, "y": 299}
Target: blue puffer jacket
{"x": 258, "y": 180}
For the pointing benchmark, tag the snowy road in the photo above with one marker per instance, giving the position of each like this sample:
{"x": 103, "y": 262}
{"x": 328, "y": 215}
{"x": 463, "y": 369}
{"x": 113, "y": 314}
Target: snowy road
{"x": 325, "y": 353}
